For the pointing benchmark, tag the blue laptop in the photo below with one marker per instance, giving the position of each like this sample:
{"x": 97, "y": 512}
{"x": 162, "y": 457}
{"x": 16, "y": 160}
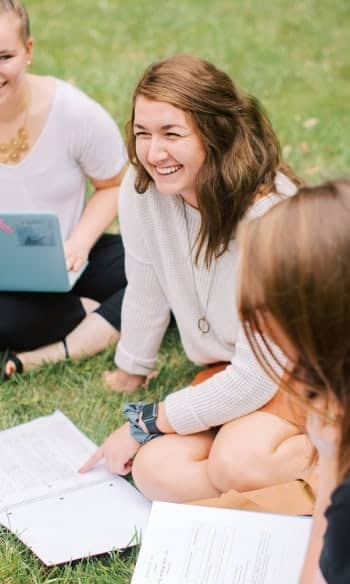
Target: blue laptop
{"x": 31, "y": 254}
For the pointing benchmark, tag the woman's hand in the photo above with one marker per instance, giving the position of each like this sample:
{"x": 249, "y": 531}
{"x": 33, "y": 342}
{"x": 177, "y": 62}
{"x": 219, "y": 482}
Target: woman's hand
{"x": 100, "y": 211}
{"x": 123, "y": 382}
{"x": 76, "y": 254}
{"x": 118, "y": 452}
{"x": 323, "y": 427}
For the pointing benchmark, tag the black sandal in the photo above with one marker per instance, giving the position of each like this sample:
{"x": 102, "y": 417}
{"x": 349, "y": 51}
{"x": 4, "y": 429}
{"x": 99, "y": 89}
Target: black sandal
{"x": 5, "y": 357}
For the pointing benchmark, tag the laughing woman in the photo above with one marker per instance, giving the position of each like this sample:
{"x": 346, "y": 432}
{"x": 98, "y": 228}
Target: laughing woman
{"x": 203, "y": 156}
{"x": 53, "y": 139}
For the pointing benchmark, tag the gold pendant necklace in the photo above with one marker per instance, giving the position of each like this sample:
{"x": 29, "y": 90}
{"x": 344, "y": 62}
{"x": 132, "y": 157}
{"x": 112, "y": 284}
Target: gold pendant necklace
{"x": 14, "y": 149}
{"x": 202, "y": 322}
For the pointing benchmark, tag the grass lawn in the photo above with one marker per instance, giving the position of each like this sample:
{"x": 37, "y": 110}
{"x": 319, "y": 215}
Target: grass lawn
{"x": 292, "y": 54}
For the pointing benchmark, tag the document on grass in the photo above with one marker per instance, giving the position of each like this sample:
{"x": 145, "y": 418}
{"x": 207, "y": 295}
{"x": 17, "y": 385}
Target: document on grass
{"x": 58, "y": 513}
{"x": 186, "y": 544}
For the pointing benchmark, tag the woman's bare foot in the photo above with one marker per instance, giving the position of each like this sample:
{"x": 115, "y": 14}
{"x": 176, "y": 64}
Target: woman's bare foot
{"x": 10, "y": 368}
{"x": 10, "y": 364}
{"x": 123, "y": 382}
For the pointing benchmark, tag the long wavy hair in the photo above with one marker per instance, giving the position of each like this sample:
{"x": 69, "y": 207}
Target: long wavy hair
{"x": 18, "y": 8}
{"x": 242, "y": 153}
{"x": 295, "y": 268}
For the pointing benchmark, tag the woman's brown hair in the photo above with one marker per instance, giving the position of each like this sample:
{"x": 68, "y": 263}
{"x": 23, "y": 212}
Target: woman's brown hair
{"x": 20, "y": 11}
{"x": 242, "y": 150}
{"x": 295, "y": 268}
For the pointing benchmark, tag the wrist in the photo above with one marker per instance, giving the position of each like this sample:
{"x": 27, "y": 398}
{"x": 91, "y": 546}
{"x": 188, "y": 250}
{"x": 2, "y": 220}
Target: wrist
{"x": 80, "y": 242}
{"x": 148, "y": 418}
{"x": 132, "y": 441}
{"x": 162, "y": 420}
{"x": 142, "y": 421}
{"x": 328, "y": 461}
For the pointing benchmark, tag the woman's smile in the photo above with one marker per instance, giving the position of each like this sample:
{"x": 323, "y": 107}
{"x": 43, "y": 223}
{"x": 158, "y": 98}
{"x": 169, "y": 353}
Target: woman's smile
{"x": 168, "y": 146}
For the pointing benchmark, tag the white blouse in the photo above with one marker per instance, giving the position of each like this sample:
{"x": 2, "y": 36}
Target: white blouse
{"x": 80, "y": 139}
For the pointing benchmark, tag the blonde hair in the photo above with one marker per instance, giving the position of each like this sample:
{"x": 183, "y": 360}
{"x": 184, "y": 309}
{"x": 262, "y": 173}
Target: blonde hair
{"x": 295, "y": 268}
{"x": 20, "y": 11}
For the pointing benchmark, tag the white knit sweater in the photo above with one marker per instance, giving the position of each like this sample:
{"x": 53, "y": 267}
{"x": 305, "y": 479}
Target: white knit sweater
{"x": 160, "y": 279}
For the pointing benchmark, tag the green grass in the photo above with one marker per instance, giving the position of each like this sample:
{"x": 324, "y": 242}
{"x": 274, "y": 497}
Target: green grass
{"x": 77, "y": 390}
{"x": 292, "y": 54}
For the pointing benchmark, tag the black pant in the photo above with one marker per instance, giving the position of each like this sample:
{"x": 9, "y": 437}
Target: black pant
{"x": 29, "y": 320}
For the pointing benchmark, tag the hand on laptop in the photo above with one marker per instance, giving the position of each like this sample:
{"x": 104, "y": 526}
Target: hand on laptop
{"x": 76, "y": 255}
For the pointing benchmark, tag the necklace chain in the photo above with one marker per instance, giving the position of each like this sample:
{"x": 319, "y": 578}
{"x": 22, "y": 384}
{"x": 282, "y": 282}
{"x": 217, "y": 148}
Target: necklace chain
{"x": 16, "y": 147}
{"x": 202, "y": 322}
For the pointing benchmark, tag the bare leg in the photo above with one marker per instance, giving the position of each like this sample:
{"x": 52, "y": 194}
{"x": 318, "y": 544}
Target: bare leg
{"x": 257, "y": 451}
{"x": 89, "y": 304}
{"x": 249, "y": 453}
{"x": 174, "y": 468}
{"x": 92, "y": 335}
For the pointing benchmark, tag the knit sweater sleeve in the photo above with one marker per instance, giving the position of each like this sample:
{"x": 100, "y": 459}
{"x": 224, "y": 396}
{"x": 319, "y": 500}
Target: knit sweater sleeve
{"x": 145, "y": 310}
{"x": 240, "y": 389}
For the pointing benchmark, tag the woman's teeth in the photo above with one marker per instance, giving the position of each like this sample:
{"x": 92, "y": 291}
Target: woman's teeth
{"x": 168, "y": 170}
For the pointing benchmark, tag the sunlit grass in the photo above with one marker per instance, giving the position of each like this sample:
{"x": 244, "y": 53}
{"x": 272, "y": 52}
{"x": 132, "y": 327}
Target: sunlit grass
{"x": 293, "y": 55}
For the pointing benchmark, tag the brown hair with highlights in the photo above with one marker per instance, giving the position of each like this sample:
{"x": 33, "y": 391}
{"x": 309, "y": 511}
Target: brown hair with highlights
{"x": 295, "y": 268}
{"x": 242, "y": 150}
{"x": 19, "y": 9}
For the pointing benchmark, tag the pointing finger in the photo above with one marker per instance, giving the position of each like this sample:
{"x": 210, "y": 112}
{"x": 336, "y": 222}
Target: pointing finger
{"x": 92, "y": 461}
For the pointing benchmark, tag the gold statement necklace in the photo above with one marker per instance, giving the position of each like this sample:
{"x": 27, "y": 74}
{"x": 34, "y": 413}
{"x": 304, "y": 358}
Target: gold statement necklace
{"x": 13, "y": 150}
{"x": 202, "y": 322}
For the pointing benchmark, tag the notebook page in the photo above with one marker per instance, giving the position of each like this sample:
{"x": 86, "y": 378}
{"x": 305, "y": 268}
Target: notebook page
{"x": 41, "y": 458}
{"x": 204, "y": 545}
{"x": 58, "y": 513}
{"x": 95, "y": 520}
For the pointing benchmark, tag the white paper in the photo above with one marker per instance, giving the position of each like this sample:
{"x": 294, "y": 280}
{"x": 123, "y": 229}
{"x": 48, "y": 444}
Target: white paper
{"x": 42, "y": 457}
{"x": 187, "y": 544}
{"x": 82, "y": 523}
{"x": 59, "y": 513}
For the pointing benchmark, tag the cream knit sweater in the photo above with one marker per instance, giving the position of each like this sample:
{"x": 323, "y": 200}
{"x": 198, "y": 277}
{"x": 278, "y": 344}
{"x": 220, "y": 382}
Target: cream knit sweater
{"x": 160, "y": 280}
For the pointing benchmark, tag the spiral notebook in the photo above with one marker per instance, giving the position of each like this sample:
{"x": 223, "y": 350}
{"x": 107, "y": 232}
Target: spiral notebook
{"x": 60, "y": 514}
{"x": 31, "y": 254}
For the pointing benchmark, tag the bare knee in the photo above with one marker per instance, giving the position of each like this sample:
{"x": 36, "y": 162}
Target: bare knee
{"x": 163, "y": 469}
{"x": 235, "y": 468}
{"x": 245, "y": 460}
{"x": 89, "y": 304}
{"x": 149, "y": 470}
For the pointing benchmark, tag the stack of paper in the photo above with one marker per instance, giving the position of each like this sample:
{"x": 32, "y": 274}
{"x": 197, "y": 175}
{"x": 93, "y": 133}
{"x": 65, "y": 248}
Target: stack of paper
{"x": 187, "y": 544}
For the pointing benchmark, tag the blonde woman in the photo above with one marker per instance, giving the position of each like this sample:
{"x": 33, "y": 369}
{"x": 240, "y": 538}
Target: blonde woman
{"x": 54, "y": 139}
